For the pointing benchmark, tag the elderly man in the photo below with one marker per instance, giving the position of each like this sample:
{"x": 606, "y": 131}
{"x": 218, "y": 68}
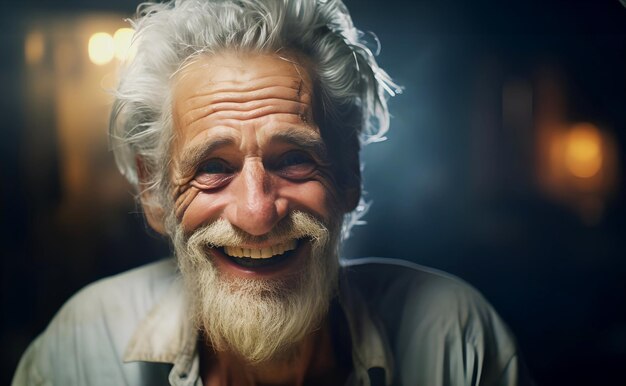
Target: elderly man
{"x": 240, "y": 122}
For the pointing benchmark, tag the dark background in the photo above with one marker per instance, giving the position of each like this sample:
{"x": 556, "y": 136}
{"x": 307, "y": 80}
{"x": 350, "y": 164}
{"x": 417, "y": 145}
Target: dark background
{"x": 463, "y": 182}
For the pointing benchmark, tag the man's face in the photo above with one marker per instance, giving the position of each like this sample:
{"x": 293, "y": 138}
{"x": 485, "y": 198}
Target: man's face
{"x": 254, "y": 200}
{"x": 248, "y": 151}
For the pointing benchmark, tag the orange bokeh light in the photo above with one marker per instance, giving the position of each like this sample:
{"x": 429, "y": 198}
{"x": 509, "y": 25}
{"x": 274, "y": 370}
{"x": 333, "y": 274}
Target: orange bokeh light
{"x": 583, "y": 150}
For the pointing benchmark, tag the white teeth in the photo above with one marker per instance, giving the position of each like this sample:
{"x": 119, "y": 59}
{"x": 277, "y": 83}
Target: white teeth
{"x": 261, "y": 253}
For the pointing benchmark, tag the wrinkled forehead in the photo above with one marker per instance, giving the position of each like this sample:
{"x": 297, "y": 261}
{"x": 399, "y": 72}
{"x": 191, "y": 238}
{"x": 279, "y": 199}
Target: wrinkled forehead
{"x": 222, "y": 96}
{"x": 213, "y": 72}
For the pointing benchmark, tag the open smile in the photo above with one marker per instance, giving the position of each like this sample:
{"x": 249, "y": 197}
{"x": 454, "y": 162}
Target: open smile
{"x": 269, "y": 256}
{"x": 261, "y": 253}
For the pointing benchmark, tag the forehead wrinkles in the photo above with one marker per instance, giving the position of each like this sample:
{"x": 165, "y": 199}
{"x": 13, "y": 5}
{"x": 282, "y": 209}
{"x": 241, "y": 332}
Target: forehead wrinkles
{"x": 243, "y": 100}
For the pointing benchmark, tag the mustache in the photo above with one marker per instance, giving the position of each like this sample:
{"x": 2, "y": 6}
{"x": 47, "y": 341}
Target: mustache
{"x": 296, "y": 225}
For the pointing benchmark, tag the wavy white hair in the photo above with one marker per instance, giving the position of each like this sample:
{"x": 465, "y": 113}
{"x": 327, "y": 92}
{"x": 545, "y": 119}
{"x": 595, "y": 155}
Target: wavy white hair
{"x": 350, "y": 88}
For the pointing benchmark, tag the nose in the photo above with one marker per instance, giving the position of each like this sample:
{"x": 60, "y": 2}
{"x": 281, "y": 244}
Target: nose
{"x": 256, "y": 207}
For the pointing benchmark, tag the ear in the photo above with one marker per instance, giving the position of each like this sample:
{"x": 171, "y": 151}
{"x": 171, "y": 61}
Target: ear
{"x": 155, "y": 217}
{"x": 352, "y": 196}
{"x": 352, "y": 189}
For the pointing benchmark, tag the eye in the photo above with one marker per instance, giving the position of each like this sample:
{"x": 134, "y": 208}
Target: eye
{"x": 294, "y": 158}
{"x": 215, "y": 166}
{"x": 213, "y": 174}
{"x": 295, "y": 165}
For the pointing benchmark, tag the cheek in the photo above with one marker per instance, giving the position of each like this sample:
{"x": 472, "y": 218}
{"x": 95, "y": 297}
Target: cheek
{"x": 312, "y": 196}
{"x": 200, "y": 208}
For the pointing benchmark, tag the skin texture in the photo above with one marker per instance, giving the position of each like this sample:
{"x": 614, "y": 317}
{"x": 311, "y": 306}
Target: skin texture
{"x": 246, "y": 146}
{"x": 247, "y": 149}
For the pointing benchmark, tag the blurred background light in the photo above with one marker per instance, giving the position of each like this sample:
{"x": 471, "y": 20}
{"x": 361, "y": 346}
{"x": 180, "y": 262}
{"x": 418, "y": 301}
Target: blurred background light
{"x": 122, "y": 39}
{"x": 583, "y": 150}
{"x": 101, "y": 48}
{"x": 34, "y": 47}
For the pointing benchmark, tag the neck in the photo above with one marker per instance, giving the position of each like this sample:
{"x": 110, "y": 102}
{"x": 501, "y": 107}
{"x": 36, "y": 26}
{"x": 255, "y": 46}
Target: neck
{"x": 311, "y": 358}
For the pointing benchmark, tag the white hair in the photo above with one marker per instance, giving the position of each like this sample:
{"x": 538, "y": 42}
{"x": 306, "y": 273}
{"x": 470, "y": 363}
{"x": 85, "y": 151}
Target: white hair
{"x": 350, "y": 88}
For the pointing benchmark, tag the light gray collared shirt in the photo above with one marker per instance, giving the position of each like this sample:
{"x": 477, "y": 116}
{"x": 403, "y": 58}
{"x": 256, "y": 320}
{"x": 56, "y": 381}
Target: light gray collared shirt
{"x": 408, "y": 325}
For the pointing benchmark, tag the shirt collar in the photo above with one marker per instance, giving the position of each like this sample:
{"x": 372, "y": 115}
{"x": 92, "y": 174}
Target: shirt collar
{"x": 370, "y": 348}
{"x": 167, "y": 334}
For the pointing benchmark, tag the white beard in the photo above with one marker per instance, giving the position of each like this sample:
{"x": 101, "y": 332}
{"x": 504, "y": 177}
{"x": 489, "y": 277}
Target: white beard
{"x": 259, "y": 319}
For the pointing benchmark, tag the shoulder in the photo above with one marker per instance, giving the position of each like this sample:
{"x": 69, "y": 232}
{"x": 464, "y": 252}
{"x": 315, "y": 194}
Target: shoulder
{"x": 136, "y": 288}
{"x": 90, "y": 332}
{"x": 406, "y": 284}
{"x": 119, "y": 301}
{"x": 436, "y": 324}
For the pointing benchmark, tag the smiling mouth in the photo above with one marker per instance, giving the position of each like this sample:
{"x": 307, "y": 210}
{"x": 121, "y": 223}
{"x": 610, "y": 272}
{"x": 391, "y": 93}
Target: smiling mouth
{"x": 260, "y": 257}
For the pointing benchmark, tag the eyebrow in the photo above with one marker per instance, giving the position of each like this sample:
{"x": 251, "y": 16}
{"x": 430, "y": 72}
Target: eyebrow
{"x": 308, "y": 141}
{"x": 199, "y": 152}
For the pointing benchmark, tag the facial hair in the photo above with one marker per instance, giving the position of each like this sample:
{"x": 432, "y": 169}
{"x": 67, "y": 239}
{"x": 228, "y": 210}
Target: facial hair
{"x": 259, "y": 319}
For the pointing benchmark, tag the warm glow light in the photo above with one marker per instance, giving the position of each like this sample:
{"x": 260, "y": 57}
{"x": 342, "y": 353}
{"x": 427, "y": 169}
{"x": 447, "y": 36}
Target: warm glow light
{"x": 123, "y": 38}
{"x": 583, "y": 151}
{"x": 101, "y": 48}
{"x": 34, "y": 47}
